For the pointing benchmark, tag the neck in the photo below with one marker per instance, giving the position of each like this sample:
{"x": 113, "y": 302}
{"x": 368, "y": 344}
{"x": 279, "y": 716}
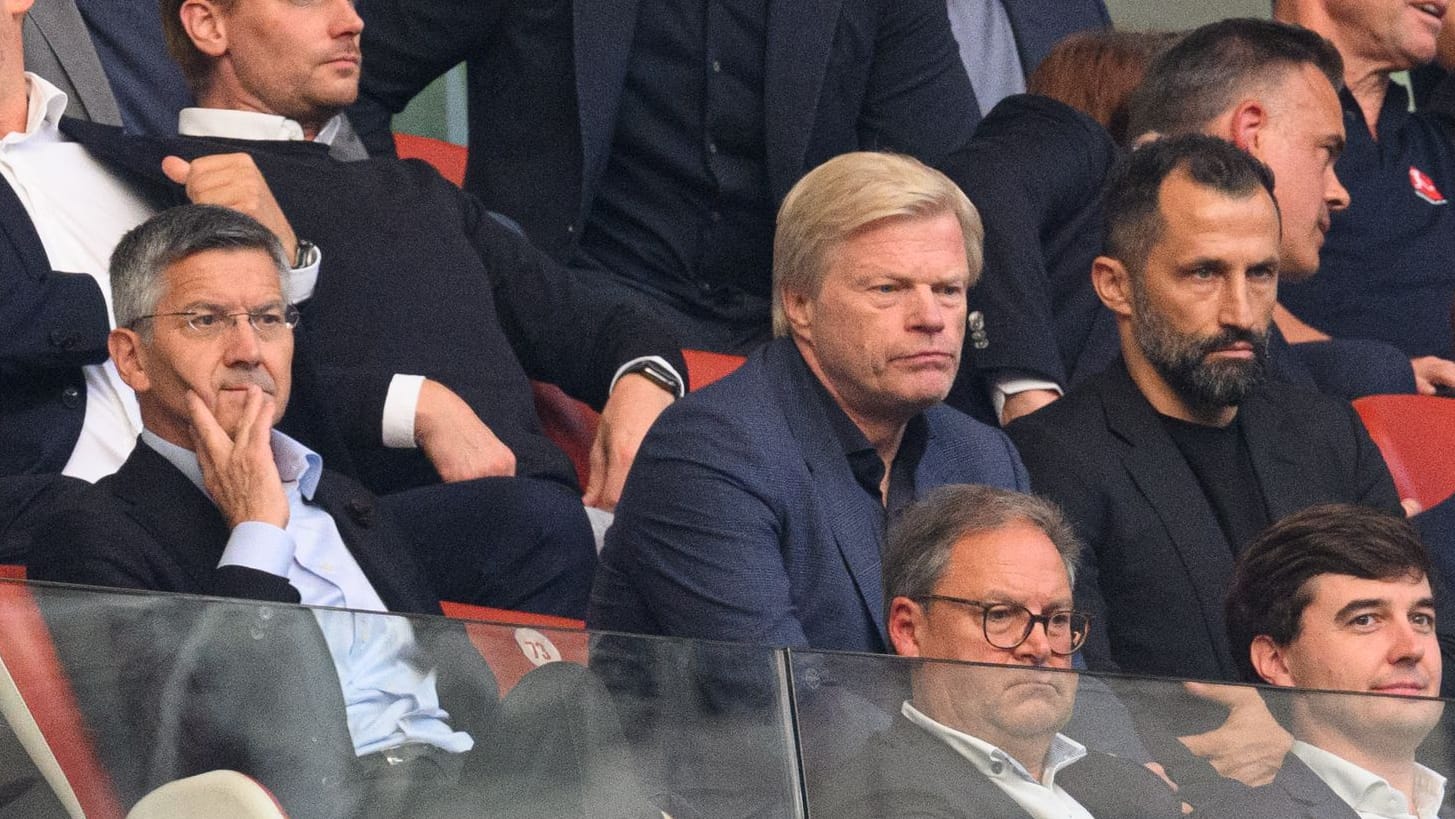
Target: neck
{"x": 223, "y": 101}
{"x": 1367, "y": 79}
{"x": 1162, "y": 397}
{"x": 14, "y": 95}
{"x": 1388, "y": 760}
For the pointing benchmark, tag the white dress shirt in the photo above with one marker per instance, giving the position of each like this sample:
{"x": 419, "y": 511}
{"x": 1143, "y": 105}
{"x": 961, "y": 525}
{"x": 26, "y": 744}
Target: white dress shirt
{"x": 1371, "y": 796}
{"x": 1042, "y": 798}
{"x": 389, "y": 701}
{"x": 80, "y": 211}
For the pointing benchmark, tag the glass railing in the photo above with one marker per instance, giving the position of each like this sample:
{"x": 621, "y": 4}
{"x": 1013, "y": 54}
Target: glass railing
{"x": 340, "y": 713}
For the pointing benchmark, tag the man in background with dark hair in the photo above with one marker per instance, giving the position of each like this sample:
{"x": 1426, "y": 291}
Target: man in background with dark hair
{"x": 1270, "y": 89}
{"x": 1339, "y": 598}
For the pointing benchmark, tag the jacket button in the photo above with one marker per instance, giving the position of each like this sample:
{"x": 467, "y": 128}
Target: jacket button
{"x": 71, "y": 397}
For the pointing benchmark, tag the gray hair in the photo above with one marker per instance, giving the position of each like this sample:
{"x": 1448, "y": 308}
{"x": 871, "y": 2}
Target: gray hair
{"x": 141, "y": 258}
{"x": 921, "y": 542}
{"x": 847, "y": 194}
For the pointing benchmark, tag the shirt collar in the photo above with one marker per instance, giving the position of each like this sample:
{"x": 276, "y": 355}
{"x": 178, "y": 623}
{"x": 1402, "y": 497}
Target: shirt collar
{"x": 222, "y": 122}
{"x": 864, "y": 462}
{"x": 1367, "y": 792}
{"x": 45, "y": 106}
{"x": 992, "y": 761}
{"x": 295, "y": 461}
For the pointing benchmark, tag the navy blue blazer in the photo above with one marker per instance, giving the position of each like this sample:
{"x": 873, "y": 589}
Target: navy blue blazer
{"x": 54, "y": 323}
{"x": 741, "y": 519}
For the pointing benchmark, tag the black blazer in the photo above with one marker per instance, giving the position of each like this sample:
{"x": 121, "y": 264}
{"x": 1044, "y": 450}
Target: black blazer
{"x": 1158, "y": 566}
{"x": 1295, "y": 793}
{"x": 545, "y": 79}
{"x": 417, "y": 277}
{"x": 905, "y": 771}
{"x": 172, "y": 687}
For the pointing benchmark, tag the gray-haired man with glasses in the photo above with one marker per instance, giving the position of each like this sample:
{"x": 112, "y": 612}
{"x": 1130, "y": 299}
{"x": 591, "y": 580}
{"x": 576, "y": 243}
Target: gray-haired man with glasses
{"x": 984, "y": 575}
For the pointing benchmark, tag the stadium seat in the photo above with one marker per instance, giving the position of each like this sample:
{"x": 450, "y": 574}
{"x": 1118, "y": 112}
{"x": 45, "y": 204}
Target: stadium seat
{"x": 512, "y": 647}
{"x": 1416, "y": 435}
{"x": 446, "y": 157}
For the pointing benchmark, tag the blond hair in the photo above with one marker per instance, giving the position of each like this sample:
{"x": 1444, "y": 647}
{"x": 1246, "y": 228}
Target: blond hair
{"x": 848, "y": 194}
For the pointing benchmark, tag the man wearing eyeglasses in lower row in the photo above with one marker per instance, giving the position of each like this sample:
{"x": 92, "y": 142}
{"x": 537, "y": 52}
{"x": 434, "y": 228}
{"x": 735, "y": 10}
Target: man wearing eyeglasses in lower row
{"x": 985, "y": 575}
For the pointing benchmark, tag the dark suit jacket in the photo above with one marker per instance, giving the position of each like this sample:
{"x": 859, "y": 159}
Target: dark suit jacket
{"x": 1039, "y": 25}
{"x": 545, "y": 79}
{"x": 417, "y": 277}
{"x": 1158, "y": 566}
{"x": 172, "y": 686}
{"x": 906, "y": 771}
{"x": 741, "y": 519}
{"x": 1295, "y": 793}
{"x": 55, "y": 323}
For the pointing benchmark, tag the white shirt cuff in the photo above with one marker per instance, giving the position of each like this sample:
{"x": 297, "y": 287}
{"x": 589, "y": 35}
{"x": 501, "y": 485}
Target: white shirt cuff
{"x": 660, "y": 361}
{"x": 1011, "y": 382}
{"x": 302, "y": 280}
{"x": 400, "y": 405}
{"x": 257, "y": 545}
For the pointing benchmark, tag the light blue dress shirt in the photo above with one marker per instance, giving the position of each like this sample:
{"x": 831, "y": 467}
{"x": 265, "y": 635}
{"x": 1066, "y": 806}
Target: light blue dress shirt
{"x": 390, "y": 701}
{"x": 988, "y": 50}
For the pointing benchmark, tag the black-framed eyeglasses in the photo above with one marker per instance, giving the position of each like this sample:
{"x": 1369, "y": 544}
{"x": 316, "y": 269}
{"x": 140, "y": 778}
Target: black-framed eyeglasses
{"x": 1007, "y": 625}
{"x": 268, "y": 322}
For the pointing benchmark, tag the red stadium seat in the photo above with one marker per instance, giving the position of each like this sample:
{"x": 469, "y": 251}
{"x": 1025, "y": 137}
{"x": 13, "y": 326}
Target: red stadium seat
{"x": 512, "y": 652}
{"x": 446, "y": 157}
{"x": 1416, "y": 435}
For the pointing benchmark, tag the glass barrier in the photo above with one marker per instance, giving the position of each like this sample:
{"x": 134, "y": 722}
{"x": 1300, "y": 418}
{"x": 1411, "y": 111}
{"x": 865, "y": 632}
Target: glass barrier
{"x": 889, "y": 736}
{"x": 346, "y": 714}
{"x": 350, "y": 714}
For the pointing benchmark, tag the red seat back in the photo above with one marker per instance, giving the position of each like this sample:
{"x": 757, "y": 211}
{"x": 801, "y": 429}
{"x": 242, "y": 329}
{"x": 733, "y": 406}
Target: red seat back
{"x": 511, "y": 643}
{"x": 25, "y": 646}
{"x": 446, "y": 157}
{"x": 1416, "y": 436}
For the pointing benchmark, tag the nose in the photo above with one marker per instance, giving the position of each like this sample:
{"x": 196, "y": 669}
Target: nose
{"x": 1236, "y": 308}
{"x": 1036, "y": 649}
{"x": 1335, "y": 195}
{"x": 243, "y": 344}
{"x": 347, "y": 21}
{"x": 926, "y": 313}
{"x": 1407, "y": 645}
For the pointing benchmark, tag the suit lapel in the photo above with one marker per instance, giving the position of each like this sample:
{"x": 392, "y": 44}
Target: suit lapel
{"x": 1166, "y": 482}
{"x": 369, "y": 539}
{"x": 800, "y": 41}
{"x": 1274, "y": 442}
{"x": 602, "y": 35}
{"x": 853, "y": 516}
{"x": 16, "y": 224}
{"x": 1310, "y": 792}
{"x": 59, "y": 25}
{"x": 965, "y": 786}
{"x": 166, "y": 503}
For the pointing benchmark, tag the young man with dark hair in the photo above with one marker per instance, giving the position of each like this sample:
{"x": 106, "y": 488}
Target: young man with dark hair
{"x": 1339, "y": 598}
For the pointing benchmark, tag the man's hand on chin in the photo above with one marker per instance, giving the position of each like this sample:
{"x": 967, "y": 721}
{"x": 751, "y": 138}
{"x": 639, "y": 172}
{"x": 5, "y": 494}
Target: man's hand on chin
{"x": 238, "y": 470}
{"x": 634, "y": 404}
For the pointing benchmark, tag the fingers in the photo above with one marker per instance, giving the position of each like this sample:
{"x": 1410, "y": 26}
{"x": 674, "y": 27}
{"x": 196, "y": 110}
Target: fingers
{"x": 597, "y": 478}
{"x": 206, "y": 432}
{"x": 1230, "y": 696}
{"x": 1411, "y": 507}
{"x": 176, "y": 169}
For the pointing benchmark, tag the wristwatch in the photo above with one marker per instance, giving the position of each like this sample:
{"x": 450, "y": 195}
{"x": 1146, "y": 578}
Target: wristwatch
{"x": 304, "y": 256}
{"x": 659, "y": 375}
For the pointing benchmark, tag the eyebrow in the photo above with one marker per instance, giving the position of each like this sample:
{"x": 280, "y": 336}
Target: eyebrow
{"x": 1378, "y": 603}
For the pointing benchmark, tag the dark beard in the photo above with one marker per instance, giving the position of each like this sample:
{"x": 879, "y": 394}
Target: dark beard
{"x": 1182, "y": 361}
